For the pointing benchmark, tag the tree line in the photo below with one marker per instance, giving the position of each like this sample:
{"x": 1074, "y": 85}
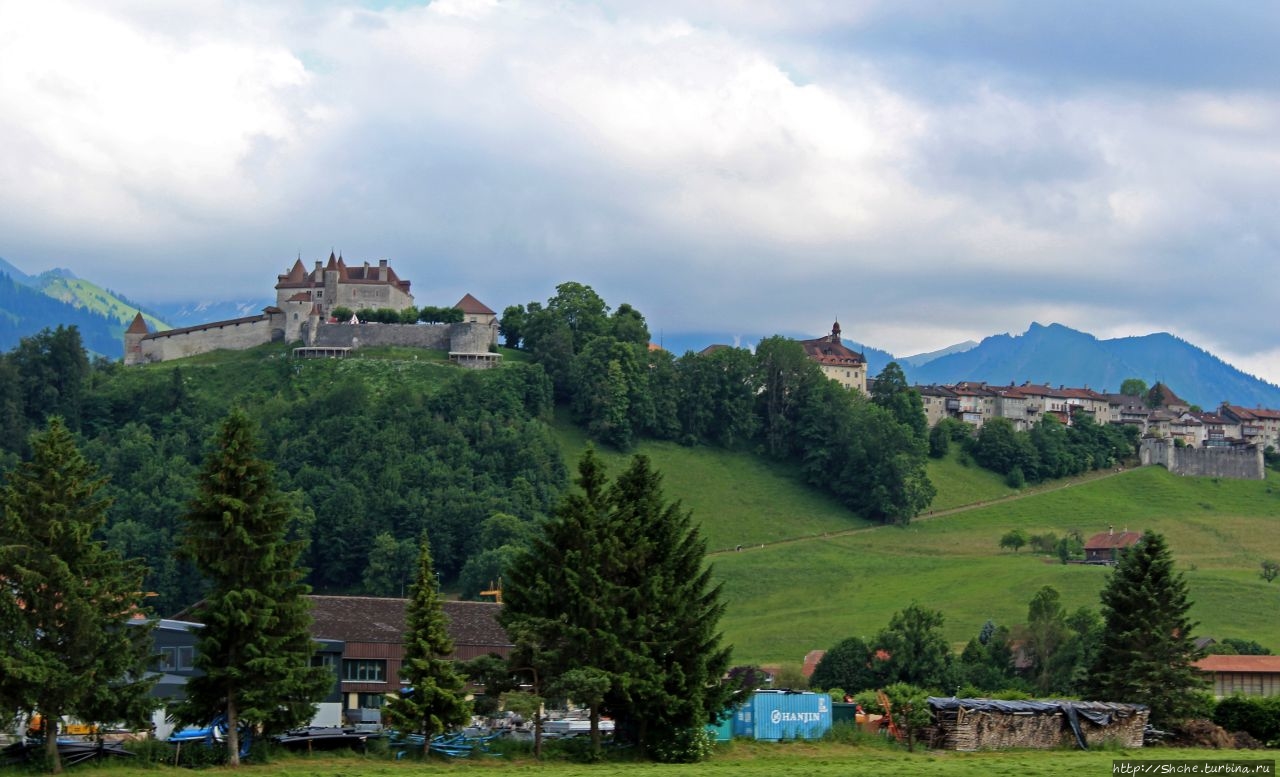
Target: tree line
{"x": 867, "y": 451}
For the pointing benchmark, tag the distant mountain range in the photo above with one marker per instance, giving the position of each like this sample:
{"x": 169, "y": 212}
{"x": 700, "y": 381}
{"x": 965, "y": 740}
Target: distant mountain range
{"x": 1058, "y": 355}
{"x": 1053, "y": 354}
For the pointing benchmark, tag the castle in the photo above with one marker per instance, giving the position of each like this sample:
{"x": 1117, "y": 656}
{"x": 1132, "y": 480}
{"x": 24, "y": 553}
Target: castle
{"x": 302, "y": 313}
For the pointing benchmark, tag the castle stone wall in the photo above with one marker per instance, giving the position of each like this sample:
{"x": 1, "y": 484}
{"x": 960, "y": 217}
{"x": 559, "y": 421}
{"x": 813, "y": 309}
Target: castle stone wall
{"x": 229, "y": 335}
{"x": 1238, "y": 463}
{"x": 465, "y": 337}
{"x": 431, "y": 336}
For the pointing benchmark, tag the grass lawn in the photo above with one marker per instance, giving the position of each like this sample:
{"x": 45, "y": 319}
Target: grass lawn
{"x": 801, "y": 759}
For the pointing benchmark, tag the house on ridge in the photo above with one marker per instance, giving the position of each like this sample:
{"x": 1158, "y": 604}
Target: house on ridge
{"x": 1107, "y": 547}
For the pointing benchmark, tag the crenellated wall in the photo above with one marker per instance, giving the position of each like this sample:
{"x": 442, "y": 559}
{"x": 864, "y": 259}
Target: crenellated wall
{"x": 1244, "y": 463}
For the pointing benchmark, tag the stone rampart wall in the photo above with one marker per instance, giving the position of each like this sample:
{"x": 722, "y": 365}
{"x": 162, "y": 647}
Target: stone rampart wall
{"x": 1238, "y": 463}
{"x": 235, "y": 336}
{"x": 465, "y": 337}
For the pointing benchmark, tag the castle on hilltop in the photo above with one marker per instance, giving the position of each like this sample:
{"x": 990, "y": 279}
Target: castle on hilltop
{"x": 305, "y": 301}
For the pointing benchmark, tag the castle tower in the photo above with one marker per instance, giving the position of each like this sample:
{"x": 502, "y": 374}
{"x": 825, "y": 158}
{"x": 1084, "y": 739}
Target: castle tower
{"x": 133, "y": 340}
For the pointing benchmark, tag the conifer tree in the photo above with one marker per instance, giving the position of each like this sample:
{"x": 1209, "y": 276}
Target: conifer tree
{"x": 437, "y": 700}
{"x": 69, "y": 646}
{"x": 1147, "y": 648}
{"x": 255, "y": 647}
{"x": 616, "y": 584}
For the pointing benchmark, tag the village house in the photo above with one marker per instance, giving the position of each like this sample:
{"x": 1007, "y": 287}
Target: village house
{"x": 372, "y": 629}
{"x": 1260, "y": 426}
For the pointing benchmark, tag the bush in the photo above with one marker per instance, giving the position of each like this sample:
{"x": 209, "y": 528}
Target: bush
{"x": 684, "y": 746}
{"x": 1260, "y": 716}
{"x": 1015, "y": 478}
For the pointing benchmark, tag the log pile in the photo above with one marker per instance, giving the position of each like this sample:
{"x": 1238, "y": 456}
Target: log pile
{"x": 983, "y": 724}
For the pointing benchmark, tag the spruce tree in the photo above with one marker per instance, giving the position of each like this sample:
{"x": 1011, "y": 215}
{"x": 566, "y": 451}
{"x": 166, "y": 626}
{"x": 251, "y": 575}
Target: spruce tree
{"x": 616, "y": 584}
{"x": 1147, "y": 649}
{"x": 71, "y": 645}
{"x": 255, "y": 648}
{"x": 437, "y": 700}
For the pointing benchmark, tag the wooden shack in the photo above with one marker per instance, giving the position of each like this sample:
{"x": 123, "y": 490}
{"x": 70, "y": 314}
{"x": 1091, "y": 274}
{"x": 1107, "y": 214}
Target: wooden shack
{"x": 990, "y": 724}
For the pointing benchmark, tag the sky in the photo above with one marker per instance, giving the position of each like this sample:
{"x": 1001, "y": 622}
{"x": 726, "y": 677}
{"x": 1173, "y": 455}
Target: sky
{"x": 925, "y": 172}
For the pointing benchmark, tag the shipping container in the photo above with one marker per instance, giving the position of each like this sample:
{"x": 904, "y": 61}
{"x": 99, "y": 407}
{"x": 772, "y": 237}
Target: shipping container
{"x": 774, "y": 715}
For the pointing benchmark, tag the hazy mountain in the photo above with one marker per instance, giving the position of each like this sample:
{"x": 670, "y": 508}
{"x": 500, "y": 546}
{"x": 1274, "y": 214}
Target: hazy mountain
{"x": 1059, "y": 355}
{"x": 18, "y": 275}
{"x": 180, "y": 314}
{"x": 921, "y": 359}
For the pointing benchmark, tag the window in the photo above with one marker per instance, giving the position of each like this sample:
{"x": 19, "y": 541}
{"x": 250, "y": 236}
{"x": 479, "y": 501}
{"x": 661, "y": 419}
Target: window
{"x": 324, "y": 659}
{"x": 364, "y": 669}
{"x": 370, "y": 701}
{"x": 176, "y": 657}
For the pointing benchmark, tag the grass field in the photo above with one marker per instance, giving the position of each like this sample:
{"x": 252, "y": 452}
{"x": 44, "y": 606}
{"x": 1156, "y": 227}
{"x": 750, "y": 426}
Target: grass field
{"x": 751, "y": 759}
{"x": 843, "y": 577}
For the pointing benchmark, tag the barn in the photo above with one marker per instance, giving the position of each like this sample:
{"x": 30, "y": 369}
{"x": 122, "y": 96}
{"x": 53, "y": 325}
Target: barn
{"x": 990, "y": 724}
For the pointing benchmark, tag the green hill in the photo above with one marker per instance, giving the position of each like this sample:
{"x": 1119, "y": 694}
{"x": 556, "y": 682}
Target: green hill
{"x": 91, "y": 296}
{"x": 843, "y": 577}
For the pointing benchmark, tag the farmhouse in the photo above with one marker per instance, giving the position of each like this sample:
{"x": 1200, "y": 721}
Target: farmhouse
{"x": 1248, "y": 675}
{"x": 1106, "y": 547}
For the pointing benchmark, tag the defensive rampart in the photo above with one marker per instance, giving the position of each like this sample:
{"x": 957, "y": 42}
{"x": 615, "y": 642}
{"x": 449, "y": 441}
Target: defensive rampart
{"x": 236, "y": 334}
{"x": 1242, "y": 463}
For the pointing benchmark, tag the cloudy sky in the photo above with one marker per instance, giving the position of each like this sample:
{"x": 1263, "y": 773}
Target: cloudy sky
{"x": 928, "y": 172}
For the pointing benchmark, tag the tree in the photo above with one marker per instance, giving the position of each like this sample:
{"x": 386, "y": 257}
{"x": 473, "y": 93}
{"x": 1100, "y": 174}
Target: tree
{"x": 918, "y": 653}
{"x": 1013, "y": 539}
{"x": 1270, "y": 569}
{"x": 436, "y": 700}
{"x": 846, "y": 666}
{"x": 511, "y": 325}
{"x": 1147, "y": 648}
{"x": 909, "y": 709}
{"x": 67, "y": 602}
{"x": 892, "y": 392}
{"x": 616, "y": 583}
{"x": 255, "y": 648}
{"x": 390, "y": 566}
{"x": 1133, "y": 387}
{"x": 1046, "y": 632}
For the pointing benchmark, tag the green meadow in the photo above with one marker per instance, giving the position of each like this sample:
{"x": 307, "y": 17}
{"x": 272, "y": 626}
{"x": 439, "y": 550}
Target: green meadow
{"x": 810, "y": 573}
{"x": 750, "y": 759}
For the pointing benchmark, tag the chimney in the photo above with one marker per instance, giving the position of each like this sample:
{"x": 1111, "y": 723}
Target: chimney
{"x": 1110, "y": 530}
{"x": 382, "y": 269}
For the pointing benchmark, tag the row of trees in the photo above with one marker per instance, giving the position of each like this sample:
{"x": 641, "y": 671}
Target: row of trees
{"x": 1138, "y": 649}
{"x": 72, "y": 613}
{"x": 427, "y": 314}
{"x": 1048, "y": 450}
{"x": 867, "y": 451}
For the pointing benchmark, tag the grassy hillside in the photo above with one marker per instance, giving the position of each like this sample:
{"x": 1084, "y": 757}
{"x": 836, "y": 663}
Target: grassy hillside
{"x": 791, "y": 597}
{"x": 89, "y": 295}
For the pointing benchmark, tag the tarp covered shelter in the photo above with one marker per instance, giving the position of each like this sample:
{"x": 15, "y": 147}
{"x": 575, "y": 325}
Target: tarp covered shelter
{"x": 991, "y": 724}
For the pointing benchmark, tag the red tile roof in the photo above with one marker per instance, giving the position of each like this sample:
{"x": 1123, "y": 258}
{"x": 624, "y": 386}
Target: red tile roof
{"x": 469, "y": 304}
{"x": 1239, "y": 664}
{"x": 138, "y": 327}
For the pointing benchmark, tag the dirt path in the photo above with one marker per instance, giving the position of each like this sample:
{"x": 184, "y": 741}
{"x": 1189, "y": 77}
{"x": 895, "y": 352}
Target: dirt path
{"x": 1057, "y": 485}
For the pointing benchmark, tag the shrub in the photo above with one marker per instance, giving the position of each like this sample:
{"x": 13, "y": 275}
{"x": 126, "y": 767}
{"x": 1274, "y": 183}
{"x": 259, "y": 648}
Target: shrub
{"x": 1260, "y": 716}
{"x": 684, "y": 746}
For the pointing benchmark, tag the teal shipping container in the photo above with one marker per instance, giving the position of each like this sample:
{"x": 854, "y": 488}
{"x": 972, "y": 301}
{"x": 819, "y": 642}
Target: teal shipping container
{"x": 774, "y": 715}
{"x": 722, "y": 731}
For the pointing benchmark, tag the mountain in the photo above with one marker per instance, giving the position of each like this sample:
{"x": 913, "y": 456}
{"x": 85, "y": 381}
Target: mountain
{"x": 25, "y": 311}
{"x": 180, "y": 314}
{"x": 63, "y": 285}
{"x": 921, "y": 359}
{"x": 18, "y": 275}
{"x": 1058, "y": 355}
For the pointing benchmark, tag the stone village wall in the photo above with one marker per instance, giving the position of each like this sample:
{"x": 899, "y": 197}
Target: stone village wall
{"x": 235, "y": 335}
{"x": 467, "y": 337}
{"x": 1239, "y": 463}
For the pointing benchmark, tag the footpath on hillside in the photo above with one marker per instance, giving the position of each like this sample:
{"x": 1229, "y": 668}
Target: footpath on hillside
{"x": 931, "y": 514}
